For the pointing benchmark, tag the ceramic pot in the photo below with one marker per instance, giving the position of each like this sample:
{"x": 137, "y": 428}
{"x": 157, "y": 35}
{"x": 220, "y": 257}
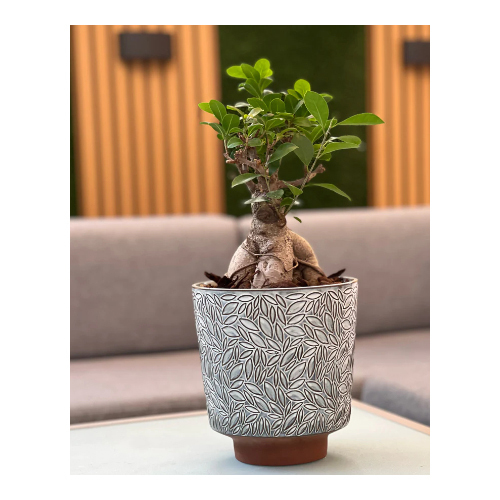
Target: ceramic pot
{"x": 277, "y": 367}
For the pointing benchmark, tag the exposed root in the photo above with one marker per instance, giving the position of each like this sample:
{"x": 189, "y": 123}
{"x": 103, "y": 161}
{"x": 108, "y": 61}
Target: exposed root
{"x": 243, "y": 281}
{"x": 312, "y": 266}
{"x": 234, "y": 273}
{"x": 272, "y": 256}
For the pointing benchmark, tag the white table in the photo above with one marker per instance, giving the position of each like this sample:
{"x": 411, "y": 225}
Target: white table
{"x": 374, "y": 442}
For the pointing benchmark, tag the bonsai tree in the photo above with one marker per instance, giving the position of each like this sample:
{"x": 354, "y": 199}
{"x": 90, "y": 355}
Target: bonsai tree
{"x": 257, "y": 134}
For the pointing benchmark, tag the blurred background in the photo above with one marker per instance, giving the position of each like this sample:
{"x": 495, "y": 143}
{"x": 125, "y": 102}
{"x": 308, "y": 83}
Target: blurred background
{"x": 137, "y": 147}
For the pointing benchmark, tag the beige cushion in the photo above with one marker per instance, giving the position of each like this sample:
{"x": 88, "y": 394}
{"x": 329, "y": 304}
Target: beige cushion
{"x": 135, "y": 385}
{"x": 386, "y": 249}
{"x": 131, "y": 280}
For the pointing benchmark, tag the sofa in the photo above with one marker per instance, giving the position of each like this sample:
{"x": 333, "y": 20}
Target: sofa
{"x": 133, "y": 340}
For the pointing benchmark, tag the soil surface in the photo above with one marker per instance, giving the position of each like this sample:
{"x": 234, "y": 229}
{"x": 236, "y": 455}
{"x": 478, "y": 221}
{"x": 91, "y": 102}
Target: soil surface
{"x": 226, "y": 282}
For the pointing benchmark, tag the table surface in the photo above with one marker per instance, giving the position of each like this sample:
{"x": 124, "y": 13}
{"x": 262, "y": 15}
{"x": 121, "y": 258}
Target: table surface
{"x": 374, "y": 442}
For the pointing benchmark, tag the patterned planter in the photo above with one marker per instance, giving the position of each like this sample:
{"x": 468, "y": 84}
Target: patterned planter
{"x": 277, "y": 367}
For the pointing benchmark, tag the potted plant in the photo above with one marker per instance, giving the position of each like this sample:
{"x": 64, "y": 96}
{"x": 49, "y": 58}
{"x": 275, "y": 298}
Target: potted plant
{"x": 276, "y": 334}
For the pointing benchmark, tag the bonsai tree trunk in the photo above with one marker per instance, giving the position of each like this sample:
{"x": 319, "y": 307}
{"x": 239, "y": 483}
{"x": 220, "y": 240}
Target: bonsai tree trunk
{"x": 272, "y": 255}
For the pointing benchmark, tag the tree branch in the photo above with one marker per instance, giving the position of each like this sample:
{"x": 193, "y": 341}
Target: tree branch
{"x": 242, "y": 170}
{"x": 298, "y": 183}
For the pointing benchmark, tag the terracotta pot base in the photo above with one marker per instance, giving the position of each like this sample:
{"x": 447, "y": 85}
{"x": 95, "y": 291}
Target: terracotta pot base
{"x": 280, "y": 451}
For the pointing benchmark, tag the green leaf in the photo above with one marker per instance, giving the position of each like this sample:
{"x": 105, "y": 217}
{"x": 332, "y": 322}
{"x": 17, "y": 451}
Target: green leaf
{"x": 250, "y": 72}
{"x": 327, "y": 97}
{"x": 268, "y": 98}
{"x": 243, "y": 178}
{"x": 296, "y": 218}
{"x": 277, "y": 106}
{"x": 302, "y": 86}
{"x": 298, "y": 106}
{"x": 253, "y": 128}
{"x": 254, "y": 112}
{"x": 218, "y": 109}
{"x": 316, "y": 133}
{"x": 336, "y": 146}
{"x": 302, "y": 122}
{"x": 352, "y": 139}
{"x": 290, "y": 103}
{"x": 205, "y": 106}
{"x": 252, "y": 87}
{"x": 236, "y": 72}
{"x": 295, "y": 190}
{"x": 305, "y": 148}
{"x": 215, "y": 126}
{"x": 318, "y": 107}
{"x": 233, "y": 142}
{"x": 273, "y": 166}
{"x": 254, "y": 143}
{"x": 276, "y": 194}
{"x": 232, "y": 108}
{"x": 263, "y": 66}
{"x": 258, "y": 199}
{"x": 258, "y": 103}
{"x": 302, "y": 111}
{"x": 362, "y": 119}
{"x": 265, "y": 83}
{"x": 294, "y": 94}
{"x": 286, "y": 201}
{"x": 273, "y": 123}
{"x": 282, "y": 151}
{"x": 230, "y": 121}
{"x": 331, "y": 187}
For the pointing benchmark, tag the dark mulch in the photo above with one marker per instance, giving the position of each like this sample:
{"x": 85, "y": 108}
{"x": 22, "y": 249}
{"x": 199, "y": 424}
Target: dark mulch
{"x": 225, "y": 282}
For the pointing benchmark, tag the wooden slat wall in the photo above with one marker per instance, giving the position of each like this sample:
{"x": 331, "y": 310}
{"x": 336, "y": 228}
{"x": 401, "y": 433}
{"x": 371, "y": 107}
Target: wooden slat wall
{"x": 139, "y": 147}
{"x": 399, "y": 151}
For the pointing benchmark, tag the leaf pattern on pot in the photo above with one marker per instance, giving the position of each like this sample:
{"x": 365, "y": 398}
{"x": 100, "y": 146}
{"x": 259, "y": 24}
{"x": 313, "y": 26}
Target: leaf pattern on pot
{"x": 257, "y": 340}
{"x": 297, "y": 319}
{"x": 295, "y": 307}
{"x": 249, "y": 325}
{"x": 270, "y": 392}
{"x": 297, "y": 371}
{"x": 294, "y": 331}
{"x": 277, "y": 363}
{"x": 266, "y": 327}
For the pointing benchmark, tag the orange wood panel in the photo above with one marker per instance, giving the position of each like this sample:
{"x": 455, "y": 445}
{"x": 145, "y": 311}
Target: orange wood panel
{"x": 377, "y": 103}
{"x": 426, "y": 119}
{"x": 211, "y": 150}
{"x": 174, "y": 110}
{"x": 122, "y": 102}
{"x": 410, "y": 125}
{"x": 192, "y": 129}
{"x": 399, "y": 151}
{"x": 394, "y": 119}
{"x": 106, "y": 143}
{"x": 138, "y": 70}
{"x": 158, "y": 132}
{"x": 139, "y": 146}
{"x": 84, "y": 111}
